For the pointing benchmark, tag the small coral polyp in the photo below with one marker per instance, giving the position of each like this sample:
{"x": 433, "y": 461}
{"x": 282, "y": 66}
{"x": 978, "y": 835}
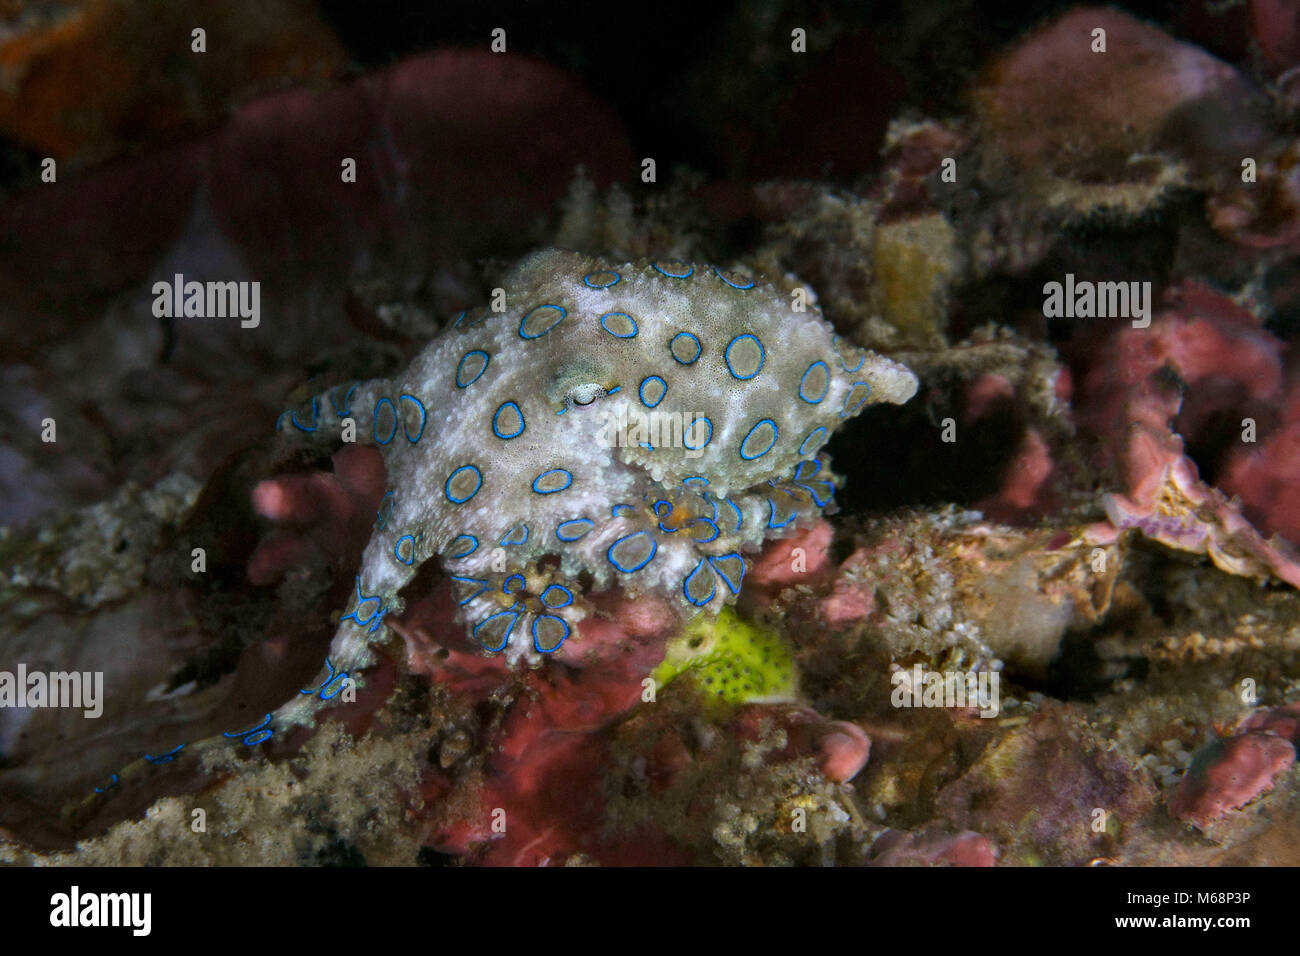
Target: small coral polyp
{"x": 499, "y": 442}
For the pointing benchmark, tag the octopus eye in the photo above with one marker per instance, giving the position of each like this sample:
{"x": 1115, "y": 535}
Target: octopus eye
{"x": 586, "y": 394}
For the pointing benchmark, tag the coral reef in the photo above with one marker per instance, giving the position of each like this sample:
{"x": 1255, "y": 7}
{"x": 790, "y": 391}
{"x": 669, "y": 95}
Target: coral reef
{"x": 949, "y": 520}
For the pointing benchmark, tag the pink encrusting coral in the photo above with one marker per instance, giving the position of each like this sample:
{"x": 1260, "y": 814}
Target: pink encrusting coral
{"x": 933, "y": 848}
{"x": 1132, "y": 395}
{"x": 1230, "y": 774}
{"x": 1265, "y": 476}
{"x": 801, "y": 558}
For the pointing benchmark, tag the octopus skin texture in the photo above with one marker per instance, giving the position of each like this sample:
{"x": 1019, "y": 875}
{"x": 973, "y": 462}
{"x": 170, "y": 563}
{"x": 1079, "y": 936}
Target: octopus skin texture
{"x": 639, "y": 425}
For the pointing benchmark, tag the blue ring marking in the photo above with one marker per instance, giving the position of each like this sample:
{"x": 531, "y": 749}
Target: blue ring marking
{"x": 505, "y": 586}
{"x": 616, "y": 388}
{"x": 757, "y": 425}
{"x": 804, "y": 378}
{"x": 614, "y": 510}
{"x": 762, "y": 356}
{"x": 718, "y": 273}
{"x": 646, "y": 445}
{"x": 740, "y": 515}
{"x": 688, "y": 273}
{"x": 460, "y": 368}
{"x": 257, "y": 737}
{"x": 700, "y": 568}
{"x": 397, "y": 549}
{"x": 673, "y": 352}
{"x": 315, "y": 415}
{"x": 505, "y": 538}
{"x": 662, "y": 394}
{"x": 537, "y": 644}
{"x": 860, "y": 402}
{"x": 374, "y": 425}
{"x": 815, "y": 437}
{"x": 446, "y": 487}
{"x": 536, "y": 309}
{"x": 654, "y": 548}
{"x": 514, "y": 619}
{"x": 496, "y": 430}
{"x": 261, "y": 725}
{"x": 711, "y": 523}
{"x": 563, "y": 532}
{"x": 662, "y": 514}
{"x": 347, "y": 400}
{"x": 258, "y": 726}
{"x": 460, "y": 318}
{"x": 565, "y": 600}
{"x": 619, "y": 335}
{"x": 845, "y": 365}
{"x": 691, "y": 428}
{"x": 113, "y": 782}
{"x": 798, "y": 469}
{"x": 342, "y": 677}
{"x": 473, "y": 546}
{"x": 695, "y": 479}
{"x": 381, "y": 517}
{"x": 309, "y": 690}
{"x": 362, "y": 599}
{"x": 823, "y": 499}
{"x": 424, "y": 417}
{"x": 601, "y": 285}
{"x": 568, "y": 480}
{"x": 168, "y": 757}
{"x": 771, "y": 516}
{"x": 717, "y": 567}
{"x": 479, "y": 581}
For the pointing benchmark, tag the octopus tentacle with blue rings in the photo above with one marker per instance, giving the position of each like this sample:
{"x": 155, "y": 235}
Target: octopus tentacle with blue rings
{"x": 642, "y": 425}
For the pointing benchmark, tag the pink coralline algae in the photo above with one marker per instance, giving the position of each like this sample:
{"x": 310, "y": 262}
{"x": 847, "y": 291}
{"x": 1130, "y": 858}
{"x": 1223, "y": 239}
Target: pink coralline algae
{"x": 1229, "y": 774}
{"x": 1264, "y": 477}
{"x": 801, "y": 558}
{"x": 845, "y": 748}
{"x": 1055, "y": 105}
{"x": 319, "y": 517}
{"x": 931, "y": 848}
{"x": 546, "y": 772}
{"x": 1133, "y": 396}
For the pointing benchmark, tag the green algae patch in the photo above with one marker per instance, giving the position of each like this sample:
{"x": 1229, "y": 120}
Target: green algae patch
{"x": 730, "y": 660}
